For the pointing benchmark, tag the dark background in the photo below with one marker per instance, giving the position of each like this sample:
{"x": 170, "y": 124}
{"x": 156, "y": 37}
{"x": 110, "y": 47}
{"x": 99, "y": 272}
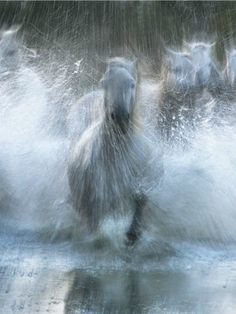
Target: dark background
{"x": 106, "y": 28}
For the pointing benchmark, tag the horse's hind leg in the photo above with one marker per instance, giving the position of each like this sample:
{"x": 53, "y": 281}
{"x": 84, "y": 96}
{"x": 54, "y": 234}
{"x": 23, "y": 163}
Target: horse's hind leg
{"x": 134, "y": 232}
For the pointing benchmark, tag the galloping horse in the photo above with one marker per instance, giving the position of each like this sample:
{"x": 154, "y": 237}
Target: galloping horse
{"x": 177, "y": 95}
{"x": 9, "y": 50}
{"x": 207, "y": 74}
{"x": 215, "y": 96}
{"x": 107, "y": 162}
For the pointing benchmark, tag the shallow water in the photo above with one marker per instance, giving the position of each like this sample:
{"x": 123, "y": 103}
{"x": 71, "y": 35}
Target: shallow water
{"x": 37, "y": 277}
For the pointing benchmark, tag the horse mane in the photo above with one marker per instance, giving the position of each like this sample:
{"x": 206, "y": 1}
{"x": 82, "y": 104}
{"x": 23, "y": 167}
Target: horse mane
{"x": 130, "y": 66}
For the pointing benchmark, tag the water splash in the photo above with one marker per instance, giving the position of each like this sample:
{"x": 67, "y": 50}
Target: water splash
{"x": 194, "y": 202}
{"x": 33, "y": 159}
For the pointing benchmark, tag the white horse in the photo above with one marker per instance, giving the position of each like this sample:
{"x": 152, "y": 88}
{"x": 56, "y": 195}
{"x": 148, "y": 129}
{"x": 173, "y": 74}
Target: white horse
{"x": 12, "y": 50}
{"x": 214, "y": 94}
{"x": 109, "y": 160}
{"x": 9, "y": 50}
{"x": 176, "y": 95}
{"x": 207, "y": 73}
{"x": 88, "y": 108}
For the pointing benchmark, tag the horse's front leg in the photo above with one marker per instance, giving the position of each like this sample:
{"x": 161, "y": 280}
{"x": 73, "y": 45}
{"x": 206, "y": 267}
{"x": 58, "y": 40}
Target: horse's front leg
{"x": 134, "y": 232}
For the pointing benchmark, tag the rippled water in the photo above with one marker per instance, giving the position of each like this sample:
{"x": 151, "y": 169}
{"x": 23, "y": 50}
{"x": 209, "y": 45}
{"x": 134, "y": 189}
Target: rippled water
{"x": 57, "y": 278}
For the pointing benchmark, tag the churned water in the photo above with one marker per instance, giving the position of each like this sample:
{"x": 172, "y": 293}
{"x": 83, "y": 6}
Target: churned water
{"x": 185, "y": 260}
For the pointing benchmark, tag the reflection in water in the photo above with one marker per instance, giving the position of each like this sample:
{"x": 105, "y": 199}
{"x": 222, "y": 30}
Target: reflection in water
{"x": 107, "y": 293}
{"x": 39, "y": 278}
{"x": 149, "y": 292}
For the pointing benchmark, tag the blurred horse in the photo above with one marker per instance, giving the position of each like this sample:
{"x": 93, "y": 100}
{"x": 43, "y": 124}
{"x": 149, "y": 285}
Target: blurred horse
{"x": 176, "y": 96}
{"x": 9, "y": 50}
{"x": 88, "y": 109}
{"x": 207, "y": 75}
{"x": 215, "y": 97}
{"x": 107, "y": 163}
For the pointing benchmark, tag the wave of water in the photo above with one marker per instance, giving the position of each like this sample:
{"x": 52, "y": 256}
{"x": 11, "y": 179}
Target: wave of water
{"x": 33, "y": 158}
{"x": 197, "y": 194}
{"x": 195, "y": 200}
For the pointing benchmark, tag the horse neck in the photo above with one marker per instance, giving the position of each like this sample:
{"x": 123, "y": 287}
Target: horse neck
{"x": 119, "y": 153}
{"x": 111, "y": 131}
{"x": 111, "y": 135}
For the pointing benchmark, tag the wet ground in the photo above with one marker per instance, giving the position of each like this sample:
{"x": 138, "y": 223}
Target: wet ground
{"x": 38, "y": 277}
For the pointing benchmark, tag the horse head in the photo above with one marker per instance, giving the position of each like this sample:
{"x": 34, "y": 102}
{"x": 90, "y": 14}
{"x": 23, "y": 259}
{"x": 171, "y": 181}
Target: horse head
{"x": 179, "y": 69}
{"x": 119, "y": 84}
{"x": 204, "y": 67}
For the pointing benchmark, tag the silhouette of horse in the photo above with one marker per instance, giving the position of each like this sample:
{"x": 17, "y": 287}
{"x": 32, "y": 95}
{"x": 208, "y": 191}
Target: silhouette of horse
{"x": 176, "y": 95}
{"x": 107, "y": 163}
{"x": 214, "y": 95}
{"x": 9, "y": 49}
{"x": 12, "y": 50}
{"x": 207, "y": 75}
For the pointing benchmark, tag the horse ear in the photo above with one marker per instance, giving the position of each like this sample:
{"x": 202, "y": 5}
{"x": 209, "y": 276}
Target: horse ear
{"x": 12, "y": 31}
{"x": 102, "y": 82}
{"x": 187, "y": 45}
{"x": 171, "y": 52}
{"x": 171, "y": 56}
{"x": 212, "y": 44}
{"x": 15, "y": 28}
{"x": 3, "y": 30}
{"x": 188, "y": 56}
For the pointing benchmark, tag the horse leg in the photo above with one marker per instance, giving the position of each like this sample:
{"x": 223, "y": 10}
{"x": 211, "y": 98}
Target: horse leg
{"x": 134, "y": 232}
